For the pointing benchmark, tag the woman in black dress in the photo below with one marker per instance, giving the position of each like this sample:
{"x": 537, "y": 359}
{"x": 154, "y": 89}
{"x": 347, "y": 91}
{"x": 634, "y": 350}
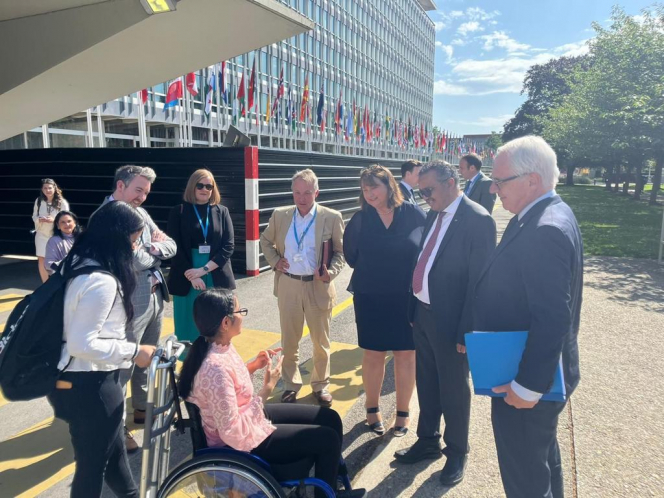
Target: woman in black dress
{"x": 380, "y": 244}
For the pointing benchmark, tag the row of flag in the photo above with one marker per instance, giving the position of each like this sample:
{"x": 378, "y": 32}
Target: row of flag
{"x": 349, "y": 121}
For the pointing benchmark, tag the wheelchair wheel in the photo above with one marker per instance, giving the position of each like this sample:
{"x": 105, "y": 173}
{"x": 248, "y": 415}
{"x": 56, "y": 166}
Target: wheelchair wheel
{"x": 220, "y": 476}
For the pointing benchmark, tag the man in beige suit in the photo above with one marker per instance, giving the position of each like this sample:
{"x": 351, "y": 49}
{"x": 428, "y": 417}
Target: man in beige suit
{"x": 292, "y": 244}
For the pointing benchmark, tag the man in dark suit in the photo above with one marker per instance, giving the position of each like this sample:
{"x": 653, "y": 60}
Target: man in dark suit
{"x": 410, "y": 171}
{"x": 459, "y": 236}
{"x": 477, "y": 184}
{"x": 533, "y": 281}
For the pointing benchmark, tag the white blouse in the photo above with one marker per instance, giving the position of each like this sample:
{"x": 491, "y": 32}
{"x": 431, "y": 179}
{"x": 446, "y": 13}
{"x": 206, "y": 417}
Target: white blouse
{"x": 94, "y": 326}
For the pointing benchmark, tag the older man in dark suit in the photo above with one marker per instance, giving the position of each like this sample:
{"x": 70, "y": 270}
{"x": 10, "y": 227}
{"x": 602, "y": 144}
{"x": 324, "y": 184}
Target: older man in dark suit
{"x": 459, "y": 236}
{"x": 477, "y": 186}
{"x": 533, "y": 281}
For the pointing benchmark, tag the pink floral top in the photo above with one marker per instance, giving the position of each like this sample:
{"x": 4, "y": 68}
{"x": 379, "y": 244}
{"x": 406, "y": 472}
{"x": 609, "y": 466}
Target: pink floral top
{"x": 231, "y": 413}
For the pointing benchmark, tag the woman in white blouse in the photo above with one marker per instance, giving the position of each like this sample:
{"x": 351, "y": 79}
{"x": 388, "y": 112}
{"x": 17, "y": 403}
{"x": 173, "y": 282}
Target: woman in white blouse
{"x": 97, "y": 309}
{"x": 49, "y": 203}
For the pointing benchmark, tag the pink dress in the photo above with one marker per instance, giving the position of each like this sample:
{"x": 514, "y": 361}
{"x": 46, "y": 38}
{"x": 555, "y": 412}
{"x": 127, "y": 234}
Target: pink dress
{"x": 231, "y": 413}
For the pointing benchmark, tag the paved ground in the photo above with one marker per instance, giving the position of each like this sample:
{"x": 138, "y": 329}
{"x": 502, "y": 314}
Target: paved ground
{"x": 611, "y": 436}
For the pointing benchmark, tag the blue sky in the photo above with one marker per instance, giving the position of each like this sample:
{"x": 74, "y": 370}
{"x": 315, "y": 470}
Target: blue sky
{"x": 484, "y": 48}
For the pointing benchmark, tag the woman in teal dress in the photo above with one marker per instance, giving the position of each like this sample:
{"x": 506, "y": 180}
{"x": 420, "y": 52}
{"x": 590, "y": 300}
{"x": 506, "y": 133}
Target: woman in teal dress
{"x": 203, "y": 231}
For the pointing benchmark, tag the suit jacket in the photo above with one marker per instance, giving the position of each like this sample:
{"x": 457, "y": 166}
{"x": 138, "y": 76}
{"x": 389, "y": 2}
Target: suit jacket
{"x": 470, "y": 238}
{"x": 183, "y": 226}
{"x": 406, "y": 195}
{"x": 146, "y": 264}
{"x": 329, "y": 225}
{"x": 534, "y": 281}
{"x": 479, "y": 193}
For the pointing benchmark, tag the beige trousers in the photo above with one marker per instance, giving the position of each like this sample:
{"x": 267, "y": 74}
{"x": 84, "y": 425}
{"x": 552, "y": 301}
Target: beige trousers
{"x": 296, "y": 303}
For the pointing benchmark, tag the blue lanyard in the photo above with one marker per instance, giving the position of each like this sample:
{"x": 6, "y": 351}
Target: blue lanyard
{"x": 207, "y": 221}
{"x": 300, "y": 241}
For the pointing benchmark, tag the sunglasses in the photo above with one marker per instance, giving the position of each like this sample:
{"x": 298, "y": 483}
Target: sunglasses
{"x": 206, "y": 186}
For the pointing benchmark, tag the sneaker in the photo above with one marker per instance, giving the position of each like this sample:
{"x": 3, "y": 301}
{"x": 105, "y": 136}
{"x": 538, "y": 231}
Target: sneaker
{"x": 130, "y": 442}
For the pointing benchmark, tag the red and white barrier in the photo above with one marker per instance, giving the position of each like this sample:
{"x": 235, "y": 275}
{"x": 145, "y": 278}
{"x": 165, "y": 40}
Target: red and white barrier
{"x": 251, "y": 209}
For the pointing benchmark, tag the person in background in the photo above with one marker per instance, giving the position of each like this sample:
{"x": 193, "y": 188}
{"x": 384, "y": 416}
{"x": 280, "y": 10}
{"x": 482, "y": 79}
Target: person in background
{"x": 478, "y": 185}
{"x": 132, "y": 185}
{"x": 380, "y": 244}
{"x": 203, "y": 231}
{"x": 533, "y": 281}
{"x": 410, "y": 172}
{"x": 215, "y": 378}
{"x": 65, "y": 231}
{"x": 97, "y": 308}
{"x": 49, "y": 203}
{"x": 292, "y": 244}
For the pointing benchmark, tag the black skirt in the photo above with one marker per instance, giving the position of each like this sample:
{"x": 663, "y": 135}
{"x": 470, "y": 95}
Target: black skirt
{"x": 382, "y": 322}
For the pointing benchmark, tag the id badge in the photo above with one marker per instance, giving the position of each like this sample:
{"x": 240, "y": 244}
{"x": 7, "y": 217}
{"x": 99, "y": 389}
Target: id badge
{"x": 203, "y": 249}
{"x": 298, "y": 257}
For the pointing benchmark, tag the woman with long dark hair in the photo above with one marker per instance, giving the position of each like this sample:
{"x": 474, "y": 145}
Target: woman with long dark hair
{"x": 97, "y": 310}
{"x": 203, "y": 231}
{"x": 49, "y": 203}
{"x": 65, "y": 231}
{"x": 215, "y": 379}
{"x": 380, "y": 244}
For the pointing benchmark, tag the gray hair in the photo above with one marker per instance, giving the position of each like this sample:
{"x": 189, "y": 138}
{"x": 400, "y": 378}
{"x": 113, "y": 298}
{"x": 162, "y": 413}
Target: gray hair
{"x": 443, "y": 170}
{"x": 308, "y": 176}
{"x": 531, "y": 154}
{"x": 127, "y": 173}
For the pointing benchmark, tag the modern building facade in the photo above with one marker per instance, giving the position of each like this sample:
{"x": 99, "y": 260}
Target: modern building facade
{"x": 360, "y": 83}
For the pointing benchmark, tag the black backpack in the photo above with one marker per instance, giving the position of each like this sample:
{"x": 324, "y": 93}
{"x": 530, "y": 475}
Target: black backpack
{"x": 31, "y": 344}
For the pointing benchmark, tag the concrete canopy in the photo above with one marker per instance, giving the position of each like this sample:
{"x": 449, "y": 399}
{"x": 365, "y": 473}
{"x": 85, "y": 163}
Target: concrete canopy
{"x": 76, "y": 54}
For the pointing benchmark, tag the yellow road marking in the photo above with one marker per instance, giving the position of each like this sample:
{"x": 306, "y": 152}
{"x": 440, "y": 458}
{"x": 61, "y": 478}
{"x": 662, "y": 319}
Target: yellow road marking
{"x": 9, "y": 301}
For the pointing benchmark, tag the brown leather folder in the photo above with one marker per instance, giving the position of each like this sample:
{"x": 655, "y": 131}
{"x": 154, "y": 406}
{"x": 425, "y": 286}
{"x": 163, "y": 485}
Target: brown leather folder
{"x": 326, "y": 255}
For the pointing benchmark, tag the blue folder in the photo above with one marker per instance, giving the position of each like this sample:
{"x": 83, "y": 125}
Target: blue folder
{"x": 494, "y": 359}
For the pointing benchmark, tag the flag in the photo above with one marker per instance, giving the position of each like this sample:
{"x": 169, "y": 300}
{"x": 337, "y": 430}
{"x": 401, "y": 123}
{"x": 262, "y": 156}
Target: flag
{"x": 339, "y": 117}
{"x": 240, "y": 95}
{"x": 322, "y": 121}
{"x": 192, "y": 84}
{"x": 210, "y": 89}
{"x": 280, "y": 92}
{"x": 321, "y": 103}
{"x": 174, "y": 93}
{"x": 267, "y": 107}
{"x": 305, "y": 99}
{"x": 222, "y": 82}
{"x": 252, "y": 86}
{"x": 144, "y": 96}
{"x": 349, "y": 124}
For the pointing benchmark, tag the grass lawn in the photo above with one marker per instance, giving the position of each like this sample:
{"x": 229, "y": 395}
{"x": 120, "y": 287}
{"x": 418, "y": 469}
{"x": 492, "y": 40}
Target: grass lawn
{"x": 613, "y": 225}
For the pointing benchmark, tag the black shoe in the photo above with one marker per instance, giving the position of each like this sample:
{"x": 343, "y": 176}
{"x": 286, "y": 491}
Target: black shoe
{"x": 353, "y": 493}
{"x": 289, "y": 397}
{"x": 423, "y": 449}
{"x": 377, "y": 426}
{"x": 452, "y": 473}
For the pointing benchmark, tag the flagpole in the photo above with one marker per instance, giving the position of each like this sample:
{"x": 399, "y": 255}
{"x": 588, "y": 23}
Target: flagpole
{"x": 180, "y": 111}
{"x": 258, "y": 85}
{"x": 46, "y": 142}
{"x": 210, "y": 72}
{"x": 218, "y": 95}
{"x": 88, "y": 115}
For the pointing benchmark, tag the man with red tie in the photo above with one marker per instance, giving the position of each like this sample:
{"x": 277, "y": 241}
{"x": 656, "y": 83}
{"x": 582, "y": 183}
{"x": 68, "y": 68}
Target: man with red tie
{"x": 458, "y": 237}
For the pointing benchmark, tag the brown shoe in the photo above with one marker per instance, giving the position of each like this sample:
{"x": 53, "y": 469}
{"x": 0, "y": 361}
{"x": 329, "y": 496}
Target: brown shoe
{"x": 289, "y": 397}
{"x": 139, "y": 416}
{"x": 323, "y": 397}
{"x": 130, "y": 442}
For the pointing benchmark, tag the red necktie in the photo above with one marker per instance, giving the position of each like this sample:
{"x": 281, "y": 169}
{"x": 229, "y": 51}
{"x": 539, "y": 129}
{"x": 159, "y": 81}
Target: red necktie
{"x": 418, "y": 274}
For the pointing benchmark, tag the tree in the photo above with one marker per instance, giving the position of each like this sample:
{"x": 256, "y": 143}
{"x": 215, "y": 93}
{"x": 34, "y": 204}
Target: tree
{"x": 494, "y": 141}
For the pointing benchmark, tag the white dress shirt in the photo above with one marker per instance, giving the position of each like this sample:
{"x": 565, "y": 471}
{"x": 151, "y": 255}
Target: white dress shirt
{"x": 449, "y": 213}
{"x": 309, "y": 262}
{"x": 518, "y": 389}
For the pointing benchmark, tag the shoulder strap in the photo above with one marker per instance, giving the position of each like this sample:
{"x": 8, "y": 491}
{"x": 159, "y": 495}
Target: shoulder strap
{"x": 179, "y": 423}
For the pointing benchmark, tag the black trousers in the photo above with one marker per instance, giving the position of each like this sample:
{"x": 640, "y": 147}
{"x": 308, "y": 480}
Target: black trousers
{"x": 93, "y": 408}
{"x": 304, "y": 431}
{"x": 528, "y": 452}
{"x": 442, "y": 384}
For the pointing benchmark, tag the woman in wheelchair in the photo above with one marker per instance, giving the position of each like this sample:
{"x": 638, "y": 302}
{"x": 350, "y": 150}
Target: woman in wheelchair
{"x": 215, "y": 379}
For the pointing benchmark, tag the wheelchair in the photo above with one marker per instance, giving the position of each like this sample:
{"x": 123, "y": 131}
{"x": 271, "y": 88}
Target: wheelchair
{"x": 211, "y": 472}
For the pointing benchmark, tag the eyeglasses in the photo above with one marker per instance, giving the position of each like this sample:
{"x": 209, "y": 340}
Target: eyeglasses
{"x": 206, "y": 186}
{"x": 499, "y": 181}
{"x": 241, "y": 311}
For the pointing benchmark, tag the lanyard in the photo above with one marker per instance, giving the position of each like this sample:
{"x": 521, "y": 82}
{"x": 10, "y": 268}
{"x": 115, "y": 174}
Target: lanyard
{"x": 300, "y": 241}
{"x": 207, "y": 221}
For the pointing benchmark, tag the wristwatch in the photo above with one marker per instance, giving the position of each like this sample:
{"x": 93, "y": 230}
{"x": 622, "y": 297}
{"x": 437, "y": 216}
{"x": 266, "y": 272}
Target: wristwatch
{"x": 206, "y": 268}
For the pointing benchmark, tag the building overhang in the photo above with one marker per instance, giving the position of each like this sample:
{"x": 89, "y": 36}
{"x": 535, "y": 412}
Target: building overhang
{"x": 72, "y": 55}
{"x": 427, "y": 5}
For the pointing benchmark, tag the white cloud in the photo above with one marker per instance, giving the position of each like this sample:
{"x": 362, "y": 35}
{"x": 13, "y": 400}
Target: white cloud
{"x": 442, "y": 87}
{"x": 456, "y": 13}
{"x": 500, "y": 39}
{"x": 448, "y": 49}
{"x": 469, "y": 27}
{"x": 573, "y": 49}
{"x": 479, "y": 14}
{"x": 459, "y": 42}
{"x": 439, "y": 25}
